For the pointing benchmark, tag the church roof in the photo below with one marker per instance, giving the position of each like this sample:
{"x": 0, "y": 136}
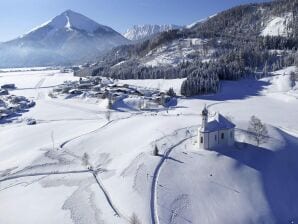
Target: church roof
{"x": 218, "y": 122}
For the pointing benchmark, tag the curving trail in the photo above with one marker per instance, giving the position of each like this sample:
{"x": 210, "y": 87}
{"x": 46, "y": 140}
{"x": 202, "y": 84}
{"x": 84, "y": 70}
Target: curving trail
{"x": 62, "y": 145}
{"x": 154, "y": 184}
{"x": 82, "y": 135}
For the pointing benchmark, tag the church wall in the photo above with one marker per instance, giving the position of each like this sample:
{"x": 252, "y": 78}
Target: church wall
{"x": 231, "y": 134}
{"x": 223, "y": 137}
{"x": 203, "y": 135}
{"x": 213, "y": 139}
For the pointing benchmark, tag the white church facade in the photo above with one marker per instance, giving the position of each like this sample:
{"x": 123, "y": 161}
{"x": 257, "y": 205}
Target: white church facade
{"x": 215, "y": 131}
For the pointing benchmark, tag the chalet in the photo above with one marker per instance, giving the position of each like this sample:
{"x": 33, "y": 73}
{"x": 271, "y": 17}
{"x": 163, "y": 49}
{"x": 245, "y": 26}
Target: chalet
{"x": 216, "y": 130}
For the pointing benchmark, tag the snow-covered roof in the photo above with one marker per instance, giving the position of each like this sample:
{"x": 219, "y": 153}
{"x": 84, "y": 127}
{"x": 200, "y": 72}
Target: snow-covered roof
{"x": 217, "y": 122}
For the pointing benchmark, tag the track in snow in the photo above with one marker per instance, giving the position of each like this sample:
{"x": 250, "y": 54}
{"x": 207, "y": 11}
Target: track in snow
{"x": 93, "y": 131}
{"x": 93, "y": 172}
{"x": 39, "y": 84}
{"x": 108, "y": 198}
{"x": 153, "y": 199}
{"x": 43, "y": 174}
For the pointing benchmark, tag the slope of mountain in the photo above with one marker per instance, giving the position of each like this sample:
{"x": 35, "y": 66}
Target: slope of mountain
{"x": 141, "y": 32}
{"x": 238, "y": 42}
{"x": 279, "y": 26}
{"x": 199, "y": 21}
{"x": 69, "y": 37}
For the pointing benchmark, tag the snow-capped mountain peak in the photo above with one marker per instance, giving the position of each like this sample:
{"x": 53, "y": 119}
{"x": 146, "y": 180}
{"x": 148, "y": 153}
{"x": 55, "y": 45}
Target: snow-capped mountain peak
{"x": 72, "y": 20}
{"x": 67, "y": 38}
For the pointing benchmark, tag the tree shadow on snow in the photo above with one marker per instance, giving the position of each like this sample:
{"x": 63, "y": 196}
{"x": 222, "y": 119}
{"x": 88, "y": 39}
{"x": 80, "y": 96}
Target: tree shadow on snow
{"x": 236, "y": 90}
{"x": 278, "y": 172}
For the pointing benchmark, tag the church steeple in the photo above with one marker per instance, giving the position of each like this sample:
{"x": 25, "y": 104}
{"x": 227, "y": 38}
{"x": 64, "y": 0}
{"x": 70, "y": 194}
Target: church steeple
{"x": 204, "y": 118}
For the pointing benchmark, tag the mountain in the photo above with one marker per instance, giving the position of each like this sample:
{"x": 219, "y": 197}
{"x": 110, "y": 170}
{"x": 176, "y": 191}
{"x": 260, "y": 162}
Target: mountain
{"x": 247, "y": 40}
{"x": 141, "y": 32}
{"x": 68, "y": 38}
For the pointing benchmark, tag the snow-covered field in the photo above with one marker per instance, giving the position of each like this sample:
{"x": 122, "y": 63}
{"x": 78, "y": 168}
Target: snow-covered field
{"x": 161, "y": 84}
{"x": 77, "y": 166}
{"x": 178, "y": 51}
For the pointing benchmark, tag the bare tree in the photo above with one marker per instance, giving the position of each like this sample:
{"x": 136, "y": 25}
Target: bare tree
{"x": 85, "y": 159}
{"x": 134, "y": 219}
{"x": 108, "y": 114}
{"x": 258, "y": 130}
{"x": 293, "y": 78}
{"x": 110, "y": 101}
{"x": 155, "y": 151}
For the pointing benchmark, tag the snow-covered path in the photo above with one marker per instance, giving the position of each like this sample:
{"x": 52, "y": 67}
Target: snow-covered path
{"x": 43, "y": 174}
{"x": 154, "y": 184}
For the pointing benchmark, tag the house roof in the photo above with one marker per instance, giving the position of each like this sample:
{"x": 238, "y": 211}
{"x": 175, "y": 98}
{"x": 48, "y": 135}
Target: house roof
{"x": 218, "y": 122}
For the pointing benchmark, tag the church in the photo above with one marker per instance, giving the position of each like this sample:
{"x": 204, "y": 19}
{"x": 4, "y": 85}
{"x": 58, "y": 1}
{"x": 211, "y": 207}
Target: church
{"x": 216, "y": 130}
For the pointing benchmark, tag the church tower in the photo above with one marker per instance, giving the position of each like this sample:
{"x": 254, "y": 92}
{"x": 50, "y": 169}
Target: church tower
{"x": 204, "y": 118}
{"x": 203, "y": 135}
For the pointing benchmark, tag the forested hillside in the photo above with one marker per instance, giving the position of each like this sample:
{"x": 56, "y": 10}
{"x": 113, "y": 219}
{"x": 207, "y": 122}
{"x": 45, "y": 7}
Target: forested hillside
{"x": 232, "y": 44}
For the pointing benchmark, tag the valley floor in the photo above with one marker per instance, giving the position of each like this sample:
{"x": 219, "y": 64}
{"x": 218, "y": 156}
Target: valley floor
{"x": 75, "y": 166}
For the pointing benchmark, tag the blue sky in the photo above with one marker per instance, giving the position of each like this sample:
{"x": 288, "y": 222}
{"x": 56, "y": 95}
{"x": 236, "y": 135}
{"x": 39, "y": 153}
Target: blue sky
{"x": 20, "y": 16}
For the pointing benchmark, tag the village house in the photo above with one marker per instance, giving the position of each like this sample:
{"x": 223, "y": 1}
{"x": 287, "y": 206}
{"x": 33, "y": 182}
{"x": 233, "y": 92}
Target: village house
{"x": 216, "y": 130}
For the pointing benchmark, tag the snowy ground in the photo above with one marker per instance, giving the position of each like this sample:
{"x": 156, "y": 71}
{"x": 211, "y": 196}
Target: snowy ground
{"x": 278, "y": 26}
{"x": 43, "y": 178}
{"x": 161, "y": 84}
{"x": 178, "y": 51}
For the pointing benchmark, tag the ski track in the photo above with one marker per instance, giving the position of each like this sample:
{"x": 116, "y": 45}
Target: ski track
{"x": 43, "y": 174}
{"x": 94, "y": 131}
{"x": 107, "y": 196}
{"x": 93, "y": 172}
{"x": 154, "y": 184}
{"x": 39, "y": 84}
{"x": 67, "y": 105}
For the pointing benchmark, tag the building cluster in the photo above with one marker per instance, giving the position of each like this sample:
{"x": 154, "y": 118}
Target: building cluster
{"x": 11, "y": 105}
{"x": 105, "y": 88}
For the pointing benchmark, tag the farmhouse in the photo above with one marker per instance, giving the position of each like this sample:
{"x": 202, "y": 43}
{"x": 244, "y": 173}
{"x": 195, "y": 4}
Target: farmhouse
{"x": 216, "y": 130}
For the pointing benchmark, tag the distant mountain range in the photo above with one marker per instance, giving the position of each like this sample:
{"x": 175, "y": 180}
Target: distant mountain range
{"x": 142, "y": 32}
{"x": 68, "y": 38}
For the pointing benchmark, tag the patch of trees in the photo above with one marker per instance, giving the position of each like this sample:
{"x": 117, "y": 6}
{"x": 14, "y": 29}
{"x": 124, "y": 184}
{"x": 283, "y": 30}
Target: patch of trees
{"x": 200, "y": 84}
{"x": 279, "y": 42}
